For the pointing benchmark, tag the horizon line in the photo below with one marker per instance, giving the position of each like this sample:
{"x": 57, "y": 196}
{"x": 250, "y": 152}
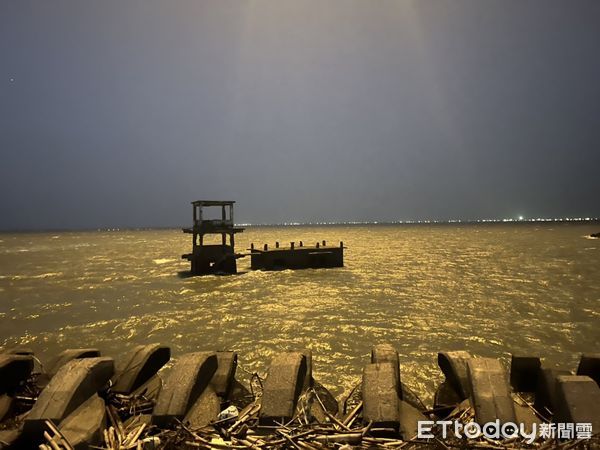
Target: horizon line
{"x": 519, "y": 220}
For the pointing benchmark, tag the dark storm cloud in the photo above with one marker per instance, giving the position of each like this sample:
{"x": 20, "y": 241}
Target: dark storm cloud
{"x": 118, "y": 113}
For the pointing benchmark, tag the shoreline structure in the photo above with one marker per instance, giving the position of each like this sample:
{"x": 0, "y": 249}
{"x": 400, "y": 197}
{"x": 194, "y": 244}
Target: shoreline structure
{"x": 221, "y": 258}
{"x": 83, "y": 400}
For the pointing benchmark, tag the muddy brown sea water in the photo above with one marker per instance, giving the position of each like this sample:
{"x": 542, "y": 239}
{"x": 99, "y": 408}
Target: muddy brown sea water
{"x": 488, "y": 289}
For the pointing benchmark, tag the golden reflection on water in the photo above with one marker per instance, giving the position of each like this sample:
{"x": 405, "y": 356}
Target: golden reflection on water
{"x": 488, "y": 289}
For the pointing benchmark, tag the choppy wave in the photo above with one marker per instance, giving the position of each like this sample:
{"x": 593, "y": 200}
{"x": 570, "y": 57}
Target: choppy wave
{"x": 31, "y": 277}
{"x": 160, "y": 261}
{"x": 489, "y": 289}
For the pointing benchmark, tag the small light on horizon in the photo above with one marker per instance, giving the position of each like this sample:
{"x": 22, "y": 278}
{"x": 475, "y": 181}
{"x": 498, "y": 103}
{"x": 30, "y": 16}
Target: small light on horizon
{"x": 520, "y": 217}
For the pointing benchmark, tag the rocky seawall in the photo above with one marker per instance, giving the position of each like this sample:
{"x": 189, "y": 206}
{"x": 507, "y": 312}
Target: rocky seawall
{"x": 83, "y": 400}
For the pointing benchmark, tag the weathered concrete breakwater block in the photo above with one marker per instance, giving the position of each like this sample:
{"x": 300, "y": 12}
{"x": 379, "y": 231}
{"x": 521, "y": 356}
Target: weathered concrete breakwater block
{"x": 150, "y": 389}
{"x": 84, "y": 426}
{"x": 14, "y": 369}
{"x": 577, "y": 400}
{"x": 382, "y": 395}
{"x": 382, "y": 353}
{"x": 409, "y": 420}
{"x": 6, "y": 403}
{"x": 308, "y": 378}
{"x": 204, "y": 410}
{"x": 454, "y": 367}
{"x": 545, "y": 393}
{"x": 208, "y": 405}
{"x": 223, "y": 378}
{"x": 72, "y": 385}
{"x": 285, "y": 381}
{"x": 9, "y": 439}
{"x": 187, "y": 379}
{"x": 54, "y": 365}
{"x": 490, "y": 392}
{"x": 138, "y": 366}
{"x": 381, "y": 403}
{"x": 68, "y": 355}
{"x": 24, "y": 351}
{"x": 524, "y": 371}
{"x": 589, "y": 365}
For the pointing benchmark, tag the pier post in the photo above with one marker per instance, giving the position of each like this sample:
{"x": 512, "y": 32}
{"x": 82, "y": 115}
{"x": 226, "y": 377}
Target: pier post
{"x": 292, "y": 245}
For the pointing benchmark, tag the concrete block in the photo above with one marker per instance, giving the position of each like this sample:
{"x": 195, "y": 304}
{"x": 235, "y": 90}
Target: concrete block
{"x": 139, "y": 365}
{"x": 524, "y": 372}
{"x": 409, "y": 420}
{"x": 14, "y": 369}
{"x": 411, "y": 397}
{"x": 589, "y": 365}
{"x": 381, "y": 403}
{"x": 387, "y": 353}
{"x": 68, "y": 355}
{"x": 150, "y": 389}
{"x": 72, "y": 385}
{"x": 239, "y": 395}
{"x": 188, "y": 378}
{"x": 23, "y": 351}
{"x": 84, "y": 427}
{"x": 283, "y": 386}
{"x": 454, "y": 367}
{"x": 445, "y": 399}
{"x": 545, "y": 393}
{"x": 527, "y": 417}
{"x": 490, "y": 392}
{"x": 315, "y": 410}
{"x": 10, "y": 439}
{"x": 327, "y": 398}
{"x": 6, "y": 403}
{"x": 225, "y": 374}
{"x": 577, "y": 400}
{"x": 204, "y": 410}
{"x": 308, "y": 378}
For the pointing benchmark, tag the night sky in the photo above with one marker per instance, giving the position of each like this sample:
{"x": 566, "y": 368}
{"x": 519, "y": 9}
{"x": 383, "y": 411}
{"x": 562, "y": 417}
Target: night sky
{"x": 119, "y": 113}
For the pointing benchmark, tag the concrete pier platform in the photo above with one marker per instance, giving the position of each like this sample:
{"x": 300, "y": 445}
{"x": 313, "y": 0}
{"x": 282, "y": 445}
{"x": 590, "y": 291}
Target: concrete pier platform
{"x": 297, "y": 256}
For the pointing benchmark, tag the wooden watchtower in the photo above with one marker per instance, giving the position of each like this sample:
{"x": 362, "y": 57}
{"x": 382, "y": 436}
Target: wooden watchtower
{"x": 212, "y": 258}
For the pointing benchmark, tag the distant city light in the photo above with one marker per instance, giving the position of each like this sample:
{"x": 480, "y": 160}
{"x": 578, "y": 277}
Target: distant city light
{"x": 431, "y": 221}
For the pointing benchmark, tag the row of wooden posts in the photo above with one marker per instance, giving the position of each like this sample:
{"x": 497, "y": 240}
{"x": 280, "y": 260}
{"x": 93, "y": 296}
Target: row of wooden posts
{"x": 293, "y": 245}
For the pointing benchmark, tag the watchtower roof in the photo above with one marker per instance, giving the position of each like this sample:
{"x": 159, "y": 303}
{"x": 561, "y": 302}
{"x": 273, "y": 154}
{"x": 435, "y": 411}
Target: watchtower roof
{"x": 213, "y": 202}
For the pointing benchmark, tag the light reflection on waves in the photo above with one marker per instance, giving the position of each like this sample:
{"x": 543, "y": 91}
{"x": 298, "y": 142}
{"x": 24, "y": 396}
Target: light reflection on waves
{"x": 29, "y": 277}
{"x": 489, "y": 290}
